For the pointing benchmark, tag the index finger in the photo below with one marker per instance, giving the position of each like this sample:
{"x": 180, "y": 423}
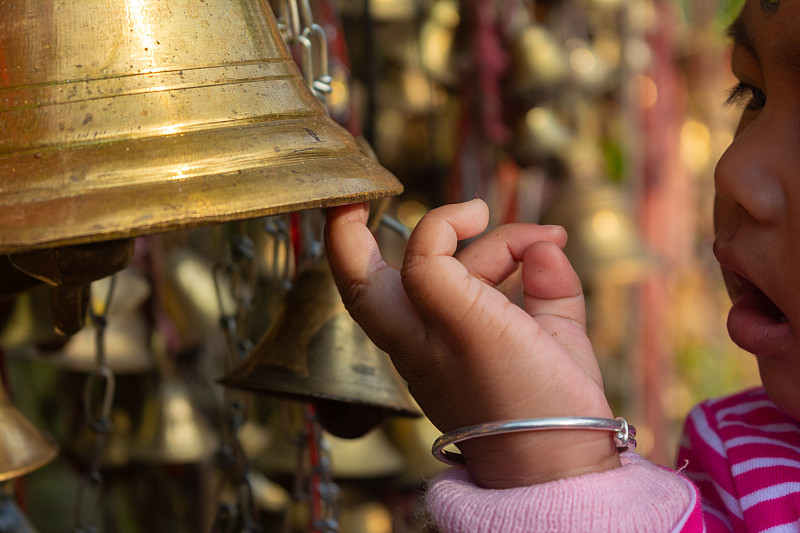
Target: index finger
{"x": 370, "y": 288}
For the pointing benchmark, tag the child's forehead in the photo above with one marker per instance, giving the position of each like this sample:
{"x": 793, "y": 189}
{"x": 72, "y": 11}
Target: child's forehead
{"x": 768, "y": 28}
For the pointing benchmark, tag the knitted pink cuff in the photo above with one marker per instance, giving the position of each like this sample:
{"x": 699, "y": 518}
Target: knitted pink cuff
{"x": 639, "y": 496}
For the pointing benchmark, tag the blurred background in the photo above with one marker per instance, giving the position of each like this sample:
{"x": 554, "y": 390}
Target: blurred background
{"x": 604, "y": 116}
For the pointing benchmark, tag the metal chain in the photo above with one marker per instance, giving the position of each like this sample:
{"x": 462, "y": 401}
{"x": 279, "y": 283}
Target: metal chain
{"x": 313, "y": 483}
{"x": 98, "y": 416}
{"x": 324, "y": 493}
{"x": 240, "y": 271}
{"x": 279, "y": 270}
{"x": 296, "y": 22}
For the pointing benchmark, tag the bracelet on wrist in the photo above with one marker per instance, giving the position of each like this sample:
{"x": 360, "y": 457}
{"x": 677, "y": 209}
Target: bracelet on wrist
{"x": 623, "y": 432}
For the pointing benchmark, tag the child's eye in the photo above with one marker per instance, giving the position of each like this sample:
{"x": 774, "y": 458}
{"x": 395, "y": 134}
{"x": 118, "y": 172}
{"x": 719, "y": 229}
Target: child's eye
{"x": 747, "y": 96}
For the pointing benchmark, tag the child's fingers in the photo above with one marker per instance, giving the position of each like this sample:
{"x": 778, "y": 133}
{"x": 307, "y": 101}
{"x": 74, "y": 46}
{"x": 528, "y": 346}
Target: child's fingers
{"x": 438, "y": 285}
{"x": 439, "y": 231}
{"x": 552, "y": 288}
{"x": 495, "y": 255}
{"x": 370, "y": 289}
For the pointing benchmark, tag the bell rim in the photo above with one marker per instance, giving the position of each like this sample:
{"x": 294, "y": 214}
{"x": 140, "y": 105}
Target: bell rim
{"x": 283, "y": 390}
{"x": 100, "y": 216}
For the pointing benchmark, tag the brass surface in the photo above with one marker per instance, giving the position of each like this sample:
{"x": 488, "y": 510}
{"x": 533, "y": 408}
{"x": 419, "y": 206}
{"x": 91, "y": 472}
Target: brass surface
{"x": 314, "y": 350}
{"x": 125, "y": 340}
{"x": 172, "y": 429}
{"x": 23, "y": 448}
{"x": 604, "y": 240}
{"x": 69, "y": 271}
{"x": 122, "y": 119}
{"x": 367, "y": 457}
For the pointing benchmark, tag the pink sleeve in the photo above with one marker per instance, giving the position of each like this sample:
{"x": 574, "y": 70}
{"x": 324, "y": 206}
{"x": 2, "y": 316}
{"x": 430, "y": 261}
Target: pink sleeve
{"x": 637, "y": 497}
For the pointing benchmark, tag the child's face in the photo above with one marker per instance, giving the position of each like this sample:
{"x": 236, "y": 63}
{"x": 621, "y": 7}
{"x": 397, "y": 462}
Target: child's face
{"x": 757, "y": 207}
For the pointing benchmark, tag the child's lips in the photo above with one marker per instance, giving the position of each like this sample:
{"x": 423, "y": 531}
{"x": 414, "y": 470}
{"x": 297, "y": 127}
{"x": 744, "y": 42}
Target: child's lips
{"x": 755, "y": 323}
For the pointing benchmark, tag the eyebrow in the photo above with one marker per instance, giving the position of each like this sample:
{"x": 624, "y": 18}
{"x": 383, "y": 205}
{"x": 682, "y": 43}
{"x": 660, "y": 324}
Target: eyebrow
{"x": 769, "y": 6}
{"x": 738, "y": 32}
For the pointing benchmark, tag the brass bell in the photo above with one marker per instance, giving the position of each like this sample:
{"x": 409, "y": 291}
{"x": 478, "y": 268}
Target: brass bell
{"x": 537, "y": 58}
{"x": 603, "y": 238}
{"x": 125, "y": 341}
{"x": 189, "y": 295}
{"x": 122, "y": 120}
{"x": 369, "y": 457}
{"x": 172, "y": 429}
{"x": 29, "y": 323}
{"x": 23, "y": 448}
{"x": 69, "y": 272}
{"x": 314, "y": 351}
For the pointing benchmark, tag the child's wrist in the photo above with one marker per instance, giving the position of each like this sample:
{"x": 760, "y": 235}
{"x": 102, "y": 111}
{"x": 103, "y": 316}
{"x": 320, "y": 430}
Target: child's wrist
{"x": 522, "y": 459}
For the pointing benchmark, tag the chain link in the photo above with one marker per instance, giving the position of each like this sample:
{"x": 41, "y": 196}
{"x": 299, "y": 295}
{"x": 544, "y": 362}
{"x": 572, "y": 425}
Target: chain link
{"x": 240, "y": 271}
{"x": 296, "y": 22}
{"x": 100, "y": 385}
{"x": 313, "y": 483}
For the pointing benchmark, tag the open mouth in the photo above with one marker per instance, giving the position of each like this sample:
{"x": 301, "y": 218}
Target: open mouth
{"x": 755, "y": 322}
{"x": 751, "y": 297}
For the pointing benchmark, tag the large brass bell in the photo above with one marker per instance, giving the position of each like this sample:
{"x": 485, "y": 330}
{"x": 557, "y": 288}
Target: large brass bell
{"x": 23, "y": 448}
{"x": 314, "y": 351}
{"x": 126, "y": 119}
{"x": 122, "y": 119}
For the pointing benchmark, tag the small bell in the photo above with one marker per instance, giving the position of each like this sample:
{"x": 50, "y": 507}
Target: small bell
{"x": 371, "y": 456}
{"x": 23, "y": 448}
{"x": 603, "y": 237}
{"x": 172, "y": 430}
{"x": 126, "y": 350}
{"x": 314, "y": 351}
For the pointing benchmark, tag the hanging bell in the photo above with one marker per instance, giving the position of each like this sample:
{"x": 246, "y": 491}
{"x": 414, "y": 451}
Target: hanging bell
{"x": 172, "y": 429}
{"x": 537, "y": 59}
{"x": 23, "y": 448}
{"x": 369, "y": 457}
{"x": 314, "y": 351}
{"x": 69, "y": 271}
{"x": 188, "y": 292}
{"x": 123, "y": 119}
{"x": 604, "y": 242}
{"x": 127, "y": 119}
{"x": 125, "y": 341}
{"x": 29, "y": 323}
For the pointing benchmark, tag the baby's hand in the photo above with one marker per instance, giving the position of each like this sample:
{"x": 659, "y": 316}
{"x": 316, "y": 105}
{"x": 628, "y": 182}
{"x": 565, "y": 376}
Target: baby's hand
{"x": 468, "y": 353}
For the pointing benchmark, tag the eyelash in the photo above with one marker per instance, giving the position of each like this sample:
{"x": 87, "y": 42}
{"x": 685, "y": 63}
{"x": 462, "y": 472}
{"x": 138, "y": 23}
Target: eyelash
{"x": 746, "y": 96}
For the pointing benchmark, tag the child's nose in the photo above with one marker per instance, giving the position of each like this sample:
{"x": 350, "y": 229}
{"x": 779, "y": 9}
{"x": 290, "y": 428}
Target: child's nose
{"x": 753, "y": 171}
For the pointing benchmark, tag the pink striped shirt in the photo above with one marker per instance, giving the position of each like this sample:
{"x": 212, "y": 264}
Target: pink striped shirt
{"x": 741, "y": 452}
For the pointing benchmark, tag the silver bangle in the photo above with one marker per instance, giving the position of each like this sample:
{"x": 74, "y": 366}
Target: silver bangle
{"x": 623, "y": 432}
